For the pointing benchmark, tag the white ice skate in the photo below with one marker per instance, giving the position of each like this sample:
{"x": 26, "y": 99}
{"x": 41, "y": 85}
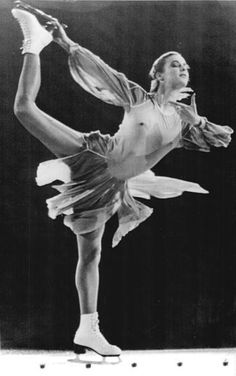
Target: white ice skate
{"x": 88, "y": 336}
{"x": 36, "y": 37}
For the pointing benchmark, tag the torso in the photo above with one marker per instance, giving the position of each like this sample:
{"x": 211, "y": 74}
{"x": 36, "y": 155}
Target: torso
{"x": 144, "y": 130}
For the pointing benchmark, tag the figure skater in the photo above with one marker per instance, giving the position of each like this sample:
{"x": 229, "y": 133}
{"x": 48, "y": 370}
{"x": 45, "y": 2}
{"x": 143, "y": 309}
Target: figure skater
{"x": 101, "y": 174}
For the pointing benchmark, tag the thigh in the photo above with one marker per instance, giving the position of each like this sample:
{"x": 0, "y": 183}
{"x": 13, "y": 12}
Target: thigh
{"x": 60, "y": 139}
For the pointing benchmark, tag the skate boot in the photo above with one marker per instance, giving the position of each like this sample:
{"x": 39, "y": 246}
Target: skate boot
{"x": 36, "y": 37}
{"x": 42, "y": 17}
{"x": 88, "y": 336}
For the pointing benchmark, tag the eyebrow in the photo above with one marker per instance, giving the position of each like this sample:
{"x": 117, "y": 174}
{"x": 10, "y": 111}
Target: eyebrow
{"x": 176, "y": 61}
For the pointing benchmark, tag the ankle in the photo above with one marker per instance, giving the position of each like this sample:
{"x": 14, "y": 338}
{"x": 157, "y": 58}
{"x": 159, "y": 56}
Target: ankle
{"x": 88, "y": 316}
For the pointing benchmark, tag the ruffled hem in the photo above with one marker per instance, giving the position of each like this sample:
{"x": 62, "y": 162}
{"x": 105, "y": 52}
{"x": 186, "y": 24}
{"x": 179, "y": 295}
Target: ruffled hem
{"x": 203, "y": 137}
{"x": 90, "y": 195}
{"x": 131, "y": 213}
{"x": 148, "y": 184}
{"x": 216, "y": 135}
{"x": 52, "y": 170}
{"x": 127, "y": 224}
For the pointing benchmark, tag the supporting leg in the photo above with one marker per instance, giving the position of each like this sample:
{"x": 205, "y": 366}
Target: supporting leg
{"x": 87, "y": 271}
{"x": 88, "y": 334}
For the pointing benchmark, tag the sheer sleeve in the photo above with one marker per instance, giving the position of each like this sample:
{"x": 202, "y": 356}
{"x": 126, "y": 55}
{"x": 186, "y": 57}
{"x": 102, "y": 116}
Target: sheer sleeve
{"x": 207, "y": 135}
{"x": 100, "y": 80}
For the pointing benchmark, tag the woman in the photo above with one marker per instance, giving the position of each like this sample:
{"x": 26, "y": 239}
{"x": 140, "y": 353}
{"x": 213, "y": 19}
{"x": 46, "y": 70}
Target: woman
{"x": 101, "y": 174}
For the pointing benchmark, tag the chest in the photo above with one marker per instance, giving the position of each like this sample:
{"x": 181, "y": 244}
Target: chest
{"x": 147, "y": 123}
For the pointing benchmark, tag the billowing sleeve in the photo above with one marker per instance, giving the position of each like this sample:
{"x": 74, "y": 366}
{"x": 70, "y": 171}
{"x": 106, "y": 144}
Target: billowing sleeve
{"x": 100, "y": 80}
{"x": 203, "y": 137}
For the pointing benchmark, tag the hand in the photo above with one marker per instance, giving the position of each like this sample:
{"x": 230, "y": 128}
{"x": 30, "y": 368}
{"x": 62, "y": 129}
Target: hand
{"x": 187, "y": 113}
{"x": 59, "y": 35}
{"x": 58, "y": 30}
{"x": 178, "y": 95}
{"x": 183, "y": 93}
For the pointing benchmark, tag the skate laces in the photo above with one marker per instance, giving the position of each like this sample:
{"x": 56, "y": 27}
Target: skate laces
{"x": 36, "y": 36}
{"x": 25, "y": 29}
{"x": 95, "y": 326}
{"x": 96, "y": 330}
{"x": 26, "y": 33}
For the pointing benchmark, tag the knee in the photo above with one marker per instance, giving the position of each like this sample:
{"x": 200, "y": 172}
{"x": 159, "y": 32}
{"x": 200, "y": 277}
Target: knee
{"x": 22, "y": 107}
{"x": 90, "y": 257}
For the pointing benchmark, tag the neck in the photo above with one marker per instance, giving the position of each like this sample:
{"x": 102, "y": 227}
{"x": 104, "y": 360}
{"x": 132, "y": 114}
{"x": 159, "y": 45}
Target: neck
{"x": 164, "y": 95}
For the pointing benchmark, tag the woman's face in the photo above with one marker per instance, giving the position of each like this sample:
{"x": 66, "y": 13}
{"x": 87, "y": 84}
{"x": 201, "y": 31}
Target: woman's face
{"x": 175, "y": 73}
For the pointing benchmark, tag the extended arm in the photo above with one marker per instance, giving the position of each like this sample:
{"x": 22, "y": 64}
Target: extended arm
{"x": 97, "y": 78}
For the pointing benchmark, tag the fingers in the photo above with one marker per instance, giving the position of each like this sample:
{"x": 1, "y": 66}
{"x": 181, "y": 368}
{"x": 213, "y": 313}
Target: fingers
{"x": 186, "y": 90}
{"x": 183, "y": 96}
{"x": 55, "y": 24}
{"x": 59, "y": 24}
{"x": 183, "y": 110}
{"x": 51, "y": 25}
{"x": 178, "y": 104}
{"x": 193, "y": 103}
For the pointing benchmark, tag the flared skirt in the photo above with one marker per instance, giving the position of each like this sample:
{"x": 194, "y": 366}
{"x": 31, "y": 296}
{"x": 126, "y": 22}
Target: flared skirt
{"x": 90, "y": 194}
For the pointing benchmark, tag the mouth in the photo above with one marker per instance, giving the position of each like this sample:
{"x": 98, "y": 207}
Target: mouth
{"x": 183, "y": 75}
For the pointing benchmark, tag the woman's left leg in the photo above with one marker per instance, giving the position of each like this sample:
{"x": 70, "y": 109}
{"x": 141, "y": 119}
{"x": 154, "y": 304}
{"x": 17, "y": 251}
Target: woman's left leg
{"x": 87, "y": 271}
{"x": 88, "y": 334}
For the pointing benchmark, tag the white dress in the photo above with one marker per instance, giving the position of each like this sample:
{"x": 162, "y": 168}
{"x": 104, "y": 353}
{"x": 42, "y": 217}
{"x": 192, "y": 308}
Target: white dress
{"x": 109, "y": 171}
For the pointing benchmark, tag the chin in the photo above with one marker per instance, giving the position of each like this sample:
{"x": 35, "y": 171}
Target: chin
{"x": 180, "y": 86}
{"x": 183, "y": 82}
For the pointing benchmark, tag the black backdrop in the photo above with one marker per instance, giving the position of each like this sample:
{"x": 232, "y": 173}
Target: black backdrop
{"x": 170, "y": 283}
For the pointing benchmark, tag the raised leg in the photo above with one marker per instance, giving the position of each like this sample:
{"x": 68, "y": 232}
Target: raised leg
{"x": 56, "y": 136}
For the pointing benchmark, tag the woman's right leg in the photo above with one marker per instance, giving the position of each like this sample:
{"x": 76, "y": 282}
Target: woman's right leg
{"x": 56, "y": 136}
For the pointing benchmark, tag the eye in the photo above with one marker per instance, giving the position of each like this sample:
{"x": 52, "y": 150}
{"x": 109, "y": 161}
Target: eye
{"x": 175, "y": 64}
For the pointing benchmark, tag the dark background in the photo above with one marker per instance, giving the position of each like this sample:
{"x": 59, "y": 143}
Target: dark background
{"x": 170, "y": 283}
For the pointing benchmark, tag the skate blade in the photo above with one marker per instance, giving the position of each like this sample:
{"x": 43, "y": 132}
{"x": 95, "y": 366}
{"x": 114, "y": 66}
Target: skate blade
{"x": 80, "y": 349}
{"x": 37, "y": 12}
{"x": 90, "y": 359}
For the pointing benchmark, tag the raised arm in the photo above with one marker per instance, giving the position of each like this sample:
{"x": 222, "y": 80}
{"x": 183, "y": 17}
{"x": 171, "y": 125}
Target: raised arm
{"x": 199, "y": 133}
{"x": 98, "y": 78}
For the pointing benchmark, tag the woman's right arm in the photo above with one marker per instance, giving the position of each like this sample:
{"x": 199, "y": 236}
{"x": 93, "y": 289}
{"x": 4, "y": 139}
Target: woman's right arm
{"x": 98, "y": 78}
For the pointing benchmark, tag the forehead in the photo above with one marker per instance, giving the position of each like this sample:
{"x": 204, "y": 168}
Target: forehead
{"x": 177, "y": 58}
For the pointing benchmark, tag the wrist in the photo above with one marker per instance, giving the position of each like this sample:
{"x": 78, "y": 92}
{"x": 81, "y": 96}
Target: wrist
{"x": 198, "y": 123}
{"x": 66, "y": 43}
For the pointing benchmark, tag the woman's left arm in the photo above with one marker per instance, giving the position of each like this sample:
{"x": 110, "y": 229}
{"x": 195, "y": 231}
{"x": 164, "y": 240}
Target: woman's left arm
{"x": 198, "y": 133}
{"x": 97, "y": 77}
